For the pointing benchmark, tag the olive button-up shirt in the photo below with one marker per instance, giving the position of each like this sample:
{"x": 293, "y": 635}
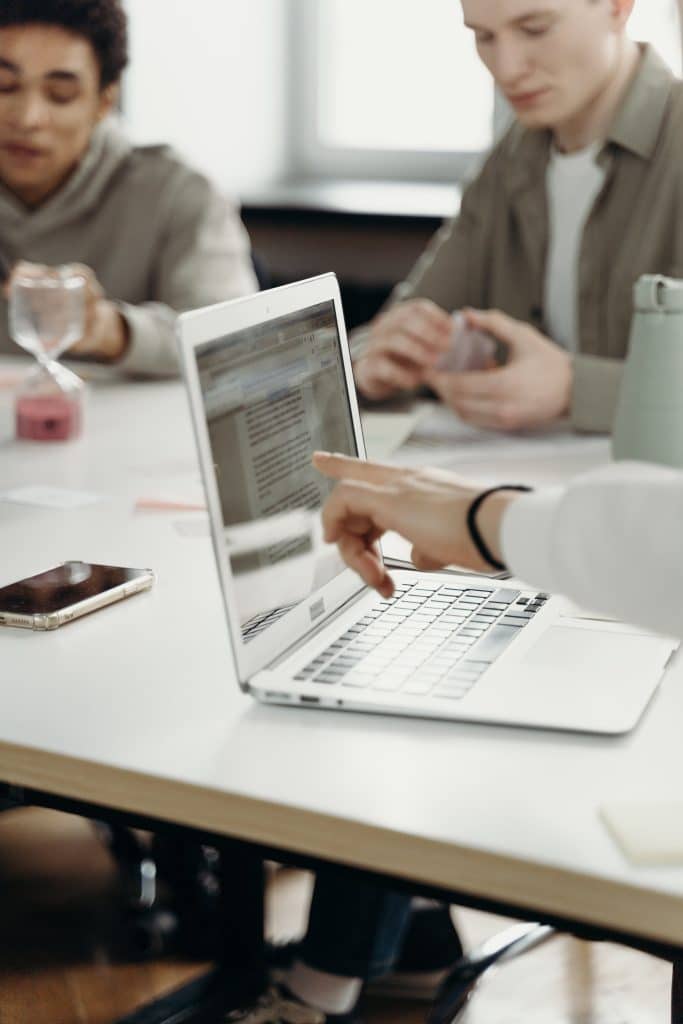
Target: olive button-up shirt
{"x": 493, "y": 254}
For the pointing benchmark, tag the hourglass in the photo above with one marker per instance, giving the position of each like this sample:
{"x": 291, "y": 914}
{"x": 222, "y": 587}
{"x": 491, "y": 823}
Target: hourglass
{"x": 46, "y": 316}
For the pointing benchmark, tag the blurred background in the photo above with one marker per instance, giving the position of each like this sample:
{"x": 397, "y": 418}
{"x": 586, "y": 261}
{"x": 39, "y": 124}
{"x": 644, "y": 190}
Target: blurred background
{"x": 345, "y": 128}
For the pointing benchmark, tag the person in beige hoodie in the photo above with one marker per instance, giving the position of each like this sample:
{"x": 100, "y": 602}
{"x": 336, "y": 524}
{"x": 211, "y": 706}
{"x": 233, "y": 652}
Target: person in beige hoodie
{"x": 152, "y": 235}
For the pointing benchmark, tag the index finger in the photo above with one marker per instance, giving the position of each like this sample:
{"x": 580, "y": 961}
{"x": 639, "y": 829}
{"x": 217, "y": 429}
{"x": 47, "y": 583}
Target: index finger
{"x": 367, "y": 562}
{"x": 432, "y": 313}
{"x": 344, "y": 467}
{"x": 428, "y": 326}
{"x": 92, "y": 283}
{"x": 500, "y": 325}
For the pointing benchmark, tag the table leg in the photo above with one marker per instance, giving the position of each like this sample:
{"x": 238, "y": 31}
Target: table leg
{"x": 677, "y": 994}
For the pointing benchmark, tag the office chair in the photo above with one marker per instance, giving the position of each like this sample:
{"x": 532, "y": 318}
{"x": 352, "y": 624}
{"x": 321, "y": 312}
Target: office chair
{"x": 170, "y": 889}
{"x": 171, "y": 893}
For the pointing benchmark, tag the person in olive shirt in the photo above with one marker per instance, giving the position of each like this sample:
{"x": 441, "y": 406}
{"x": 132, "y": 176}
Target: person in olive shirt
{"x": 152, "y": 235}
{"x": 580, "y": 197}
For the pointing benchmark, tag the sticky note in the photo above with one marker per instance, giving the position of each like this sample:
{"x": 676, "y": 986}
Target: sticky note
{"x": 650, "y": 832}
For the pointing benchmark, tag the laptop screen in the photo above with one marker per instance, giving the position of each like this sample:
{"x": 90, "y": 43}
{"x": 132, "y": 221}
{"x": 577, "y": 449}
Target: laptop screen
{"x": 273, "y": 394}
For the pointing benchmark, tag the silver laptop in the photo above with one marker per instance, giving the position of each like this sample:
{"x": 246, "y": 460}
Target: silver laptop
{"x": 270, "y": 381}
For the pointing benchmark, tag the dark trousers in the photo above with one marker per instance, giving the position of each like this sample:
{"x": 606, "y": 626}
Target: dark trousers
{"x": 355, "y": 927}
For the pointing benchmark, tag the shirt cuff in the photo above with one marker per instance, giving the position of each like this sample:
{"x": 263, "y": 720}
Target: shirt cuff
{"x": 151, "y": 350}
{"x": 527, "y": 537}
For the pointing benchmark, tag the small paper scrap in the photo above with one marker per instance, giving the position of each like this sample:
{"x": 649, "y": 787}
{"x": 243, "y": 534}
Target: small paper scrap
{"x": 50, "y": 497}
{"x": 159, "y": 505}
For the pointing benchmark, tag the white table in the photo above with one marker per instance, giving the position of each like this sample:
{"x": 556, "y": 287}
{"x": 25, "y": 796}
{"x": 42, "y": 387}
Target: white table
{"x": 136, "y": 708}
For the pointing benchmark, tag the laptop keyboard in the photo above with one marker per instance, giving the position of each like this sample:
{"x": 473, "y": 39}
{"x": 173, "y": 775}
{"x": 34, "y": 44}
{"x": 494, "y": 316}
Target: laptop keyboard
{"x": 426, "y": 640}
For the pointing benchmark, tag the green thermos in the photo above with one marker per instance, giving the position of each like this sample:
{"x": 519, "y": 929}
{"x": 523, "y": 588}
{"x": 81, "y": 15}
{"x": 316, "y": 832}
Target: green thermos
{"x": 648, "y": 425}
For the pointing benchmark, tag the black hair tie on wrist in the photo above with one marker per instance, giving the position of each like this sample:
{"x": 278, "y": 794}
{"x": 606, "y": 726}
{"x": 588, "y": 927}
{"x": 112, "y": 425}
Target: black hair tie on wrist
{"x": 475, "y": 535}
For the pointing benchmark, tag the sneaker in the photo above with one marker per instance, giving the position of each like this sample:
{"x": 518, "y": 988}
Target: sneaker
{"x": 430, "y": 949}
{"x": 278, "y": 1006}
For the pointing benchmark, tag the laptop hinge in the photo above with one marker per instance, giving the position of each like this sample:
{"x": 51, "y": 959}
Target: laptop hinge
{"x": 315, "y": 630}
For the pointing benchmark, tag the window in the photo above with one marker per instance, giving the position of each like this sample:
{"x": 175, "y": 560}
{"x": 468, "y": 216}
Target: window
{"x": 391, "y": 89}
{"x": 657, "y": 22}
{"x": 394, "y": 88}
{"x": 426, "y": 92}
{"x": 217, "y": 94}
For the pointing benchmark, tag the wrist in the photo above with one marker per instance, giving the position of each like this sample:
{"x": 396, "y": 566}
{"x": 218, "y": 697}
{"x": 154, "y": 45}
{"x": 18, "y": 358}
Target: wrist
{"x": 490, "y": 517}
{"x": 567, "y": 390}
{"x": 114, "y": 334}
{"x": 485, "y": 520}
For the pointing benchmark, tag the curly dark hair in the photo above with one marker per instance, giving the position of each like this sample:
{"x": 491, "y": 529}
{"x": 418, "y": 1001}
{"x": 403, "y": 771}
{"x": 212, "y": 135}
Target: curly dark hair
{"x": 102, "y": 22}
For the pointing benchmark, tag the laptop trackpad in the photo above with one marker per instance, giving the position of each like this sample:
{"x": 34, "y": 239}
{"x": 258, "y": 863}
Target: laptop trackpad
{"x": 586, "y": 679}
{"x": 564, "y": 650}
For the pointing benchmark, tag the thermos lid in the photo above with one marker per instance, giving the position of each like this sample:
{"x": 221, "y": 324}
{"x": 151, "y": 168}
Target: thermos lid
{"x": 653, "y": 293}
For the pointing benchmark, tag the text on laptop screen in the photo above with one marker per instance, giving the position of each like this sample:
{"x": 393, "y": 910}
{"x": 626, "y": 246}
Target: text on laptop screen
{"x": 273, "y": 394}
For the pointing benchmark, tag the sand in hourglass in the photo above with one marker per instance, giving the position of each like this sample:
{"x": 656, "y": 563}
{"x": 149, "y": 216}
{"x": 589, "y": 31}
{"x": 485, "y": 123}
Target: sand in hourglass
{"x": 46, "y": 316}
{"x": 48, "y": 418}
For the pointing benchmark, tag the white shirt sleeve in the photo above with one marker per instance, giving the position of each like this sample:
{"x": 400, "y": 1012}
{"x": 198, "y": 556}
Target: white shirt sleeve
{"x": 612, "y": 541}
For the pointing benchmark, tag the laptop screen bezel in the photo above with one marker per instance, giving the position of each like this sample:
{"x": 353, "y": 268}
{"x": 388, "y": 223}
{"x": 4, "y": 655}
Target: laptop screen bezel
{"x": 211, "y": 324}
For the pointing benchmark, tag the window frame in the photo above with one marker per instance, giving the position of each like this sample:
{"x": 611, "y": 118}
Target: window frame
{"x": 310, "y": 158}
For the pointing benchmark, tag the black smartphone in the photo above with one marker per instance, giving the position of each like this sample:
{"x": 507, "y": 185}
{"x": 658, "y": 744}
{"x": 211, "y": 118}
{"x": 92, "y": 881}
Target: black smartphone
{"x": 66, "y": 592}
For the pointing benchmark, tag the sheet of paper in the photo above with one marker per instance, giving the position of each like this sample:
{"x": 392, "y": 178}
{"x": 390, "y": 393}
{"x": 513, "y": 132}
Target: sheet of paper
{"x": 440, "y": 437}
{"x": 650, "y": 832}
{"x": 385, "y": 432}
{"x": 50, "y": 497}
{"x": 441, "y": 425}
